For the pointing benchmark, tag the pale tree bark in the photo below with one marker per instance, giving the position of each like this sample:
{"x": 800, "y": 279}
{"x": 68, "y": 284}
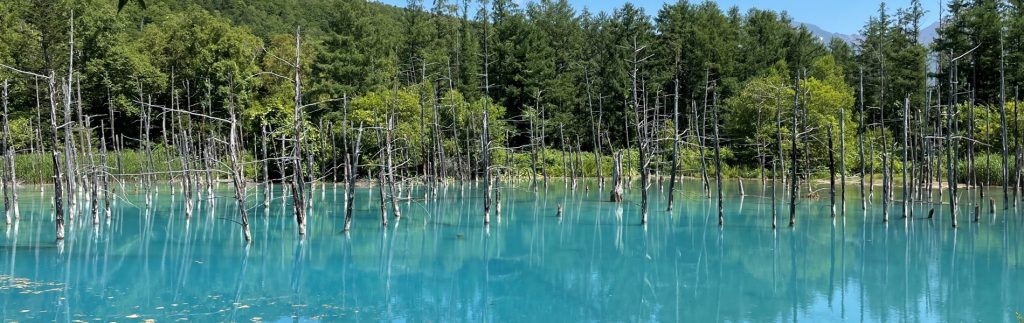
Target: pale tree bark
{"x": 675, "y": 145}
{"x": 906, "y": 148}
{"x": 58, "y": 192}
{"x": 485, "y": 147}
{"x": 8, "y": 159}
{"x": 298, "y": 181}
{"x": 831, "y": 172}
{"x": 793, "y": 149}
{"x": 718, "y": 165}
{"x": 237, "y": 174}
{"x": 352, "y": 162}
{"x": 860, "y": 142}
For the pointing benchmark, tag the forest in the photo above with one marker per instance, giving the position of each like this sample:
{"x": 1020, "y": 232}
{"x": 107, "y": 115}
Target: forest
{"x": 341, "y": 91}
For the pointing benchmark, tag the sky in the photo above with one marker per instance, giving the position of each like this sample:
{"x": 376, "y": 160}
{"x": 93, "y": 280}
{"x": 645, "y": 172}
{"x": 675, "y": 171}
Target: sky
{"x": 839, "y": 16}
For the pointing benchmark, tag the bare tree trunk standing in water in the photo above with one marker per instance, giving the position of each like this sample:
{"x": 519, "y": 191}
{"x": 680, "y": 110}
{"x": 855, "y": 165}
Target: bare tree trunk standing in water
{"x": 533, "y": 143}
{"x": 700, "y": 137}
{"x": 793, "y": 149}
{"x": 1002, "y": 121}
{"x": 595, "y": 130}
{"x": 565, "y": 165}
{"x": 906, "y": 134}
{"x": 352, "y": 162}
{"x": 8, "y": 159}
{"x": 389, "y": 142}
{"x": 643, "y": 135}
{"x": 718, "y": 165}
{"x": 69, "y": 152}
{"x": 298, "y": 182}
{"x": 58, "y": 193}
{"x": 860, "y": 142}
{"x": 616, "y": 193}
{"x": 831, "y": 171}
{"x": 237, "y": 174}
{"x": 266, "y": 167}
{"x": 92, "y": 177}
{"x": 380, "y": 193}
{"x": 1019, "y": 155}
{"x": 106, "y": 174}
{"x": 675, "y": 146}
{"x": 776, "y": 169}
{"x": 485, "y": 147}
{"x": 950, "y": 146}
{"x": 842, "y": 161}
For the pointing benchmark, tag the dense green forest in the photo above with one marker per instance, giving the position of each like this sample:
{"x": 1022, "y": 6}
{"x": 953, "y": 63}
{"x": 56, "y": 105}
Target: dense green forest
{"x": 548, "y": 75}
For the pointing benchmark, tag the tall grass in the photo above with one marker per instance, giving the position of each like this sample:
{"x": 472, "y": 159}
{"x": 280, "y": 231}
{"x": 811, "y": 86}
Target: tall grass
{"x": 35, "y": 168}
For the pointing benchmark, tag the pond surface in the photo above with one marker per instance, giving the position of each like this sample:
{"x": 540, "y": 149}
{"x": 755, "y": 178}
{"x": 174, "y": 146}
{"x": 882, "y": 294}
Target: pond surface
{"x": 439, "y": 264}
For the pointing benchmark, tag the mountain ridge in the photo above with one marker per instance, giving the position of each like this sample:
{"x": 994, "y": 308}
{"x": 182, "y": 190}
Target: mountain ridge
{"x": 926, "y": 37}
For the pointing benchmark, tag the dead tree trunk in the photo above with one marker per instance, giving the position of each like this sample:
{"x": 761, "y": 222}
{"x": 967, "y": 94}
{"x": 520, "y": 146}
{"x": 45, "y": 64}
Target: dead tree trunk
{"x": 906, "y": 148}
{"x": 1002, "y": 122}
{"x": 793, "y": 149}
{"x": 831, "y": 171}
{"x": 69, "y": 159}
{"x": 93, "y": 175}
{"x": 266, "y": 167}
{"x": 352, "y": 162}
{"x": 565, "y": 164}
{"x": 105, "y": 170}
{"x": 334, "y": 154}
{"x": 8, "y": 159}
{"x": 237, "y": 174}
{"x": 380, "y": 193}
{"x": 298, "y": 182}
{"x": 675, "y": 145}
{"x": 718, "y": 165}
{"x": 701, "y": 131}
{"x": 616, "y": 193}
{"x": 950, "y": 144}
{"x": 485, "y": 154}
{"x": 533, "y": 146}
{"x": 1019, "y": 156}
{"x": 860, "y": 142}
{"x": 58, "y": 192}
{"x": 150, "y": 170}
{"x": 842, "y": 162}
{"x": 595, "y": 130}
{"x": 389, "y": 142}
{"x": 543, "y": 146}
{"x": 643, "y": 136}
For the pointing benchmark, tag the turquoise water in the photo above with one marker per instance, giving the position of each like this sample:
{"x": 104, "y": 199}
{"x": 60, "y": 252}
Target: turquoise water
{"x": 439, "y": 264}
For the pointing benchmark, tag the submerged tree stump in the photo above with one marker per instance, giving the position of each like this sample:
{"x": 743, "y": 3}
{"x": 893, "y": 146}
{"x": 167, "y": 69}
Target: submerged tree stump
{"x": 616, "y": 193}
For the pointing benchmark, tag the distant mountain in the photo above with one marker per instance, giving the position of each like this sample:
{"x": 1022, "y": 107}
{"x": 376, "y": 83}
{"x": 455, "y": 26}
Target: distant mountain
{"x": 927, "y": 36}
{"x": 824, "y": 35}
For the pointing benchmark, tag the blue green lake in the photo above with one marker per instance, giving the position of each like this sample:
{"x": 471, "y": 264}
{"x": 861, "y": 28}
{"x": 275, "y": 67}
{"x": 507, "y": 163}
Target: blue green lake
{"x": 440, "y": 264}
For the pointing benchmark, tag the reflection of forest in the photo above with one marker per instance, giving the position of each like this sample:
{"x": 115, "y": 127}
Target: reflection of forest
{"x": 439, "y": 264}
